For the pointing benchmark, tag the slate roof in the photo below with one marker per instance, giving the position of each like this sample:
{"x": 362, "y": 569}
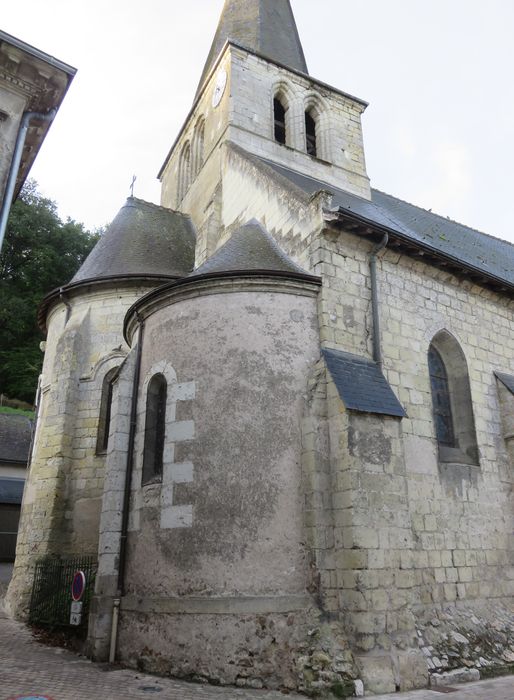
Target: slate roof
{"x": 361, "y": 384}
{"x": 466, "y": 246}
{"x": 506, "y": 379}
{"x": 250, "y": 247}
{"x": 15, "y": 436}
{"x": 11, "y": 490}
{"x": 143, "y": 240}
{"x": 265, "y": 27}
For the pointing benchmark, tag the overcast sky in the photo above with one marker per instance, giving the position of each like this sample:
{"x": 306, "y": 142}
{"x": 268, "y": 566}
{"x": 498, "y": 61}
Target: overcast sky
{"x": 439, "y": 130}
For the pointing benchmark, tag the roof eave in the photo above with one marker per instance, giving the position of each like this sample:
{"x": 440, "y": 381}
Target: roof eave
{"x": 55, "y": 295}
{"x": 437, "y": 257}
{"x": 185, "y": 281}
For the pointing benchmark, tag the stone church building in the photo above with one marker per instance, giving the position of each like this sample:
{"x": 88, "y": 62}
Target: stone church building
{"x": 279, "y": 407}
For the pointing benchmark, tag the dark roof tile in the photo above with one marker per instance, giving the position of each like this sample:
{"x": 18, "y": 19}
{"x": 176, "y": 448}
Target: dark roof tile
{"x": 470, "y": 248}
{"x": 507, "y": 380}
{"x": 143, "y": 239}
{"x": 265, "y": 27}
{"x": 11, "y": 490}
{"x": 250, "y": 247}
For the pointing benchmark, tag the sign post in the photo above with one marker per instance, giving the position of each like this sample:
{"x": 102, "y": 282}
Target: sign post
{"x": 78, "y": 588}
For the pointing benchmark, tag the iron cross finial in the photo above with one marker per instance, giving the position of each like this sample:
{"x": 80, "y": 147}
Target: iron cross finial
{"x": 134, "y": 178}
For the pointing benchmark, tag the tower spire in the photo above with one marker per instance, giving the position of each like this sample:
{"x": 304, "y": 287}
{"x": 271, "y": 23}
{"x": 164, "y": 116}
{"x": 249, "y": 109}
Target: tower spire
{"x": 266, "y": 27}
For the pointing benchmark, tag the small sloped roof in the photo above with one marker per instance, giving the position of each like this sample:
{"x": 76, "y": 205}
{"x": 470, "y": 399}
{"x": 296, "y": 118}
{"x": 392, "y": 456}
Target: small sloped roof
{"x": 250, "y": 247}
{"x": 15, "y": 436}
{"x": 361, "y": 384}
{"x": 265, "y": 27}
{"x": 143, "y": 240}
{"x": 466, "y": 246}
{"x": 507, "y": 380}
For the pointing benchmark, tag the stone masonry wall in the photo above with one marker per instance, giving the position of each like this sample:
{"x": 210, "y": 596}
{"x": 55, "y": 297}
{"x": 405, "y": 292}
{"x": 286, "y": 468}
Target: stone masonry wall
{"x": 61, "y": 506}
{"x": 418, "y": 538}
{"x": 340, "y": 160}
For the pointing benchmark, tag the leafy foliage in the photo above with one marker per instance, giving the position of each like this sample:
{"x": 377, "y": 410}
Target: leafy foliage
{"x": 40, "y": 252}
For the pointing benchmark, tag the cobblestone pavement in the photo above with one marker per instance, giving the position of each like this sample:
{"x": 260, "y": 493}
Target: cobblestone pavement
{"x": 494, "y": 689}
{"x": 31, "y": 669}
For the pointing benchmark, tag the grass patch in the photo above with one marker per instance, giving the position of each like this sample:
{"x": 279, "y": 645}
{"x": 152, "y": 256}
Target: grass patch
{"x": 17, "y": 411}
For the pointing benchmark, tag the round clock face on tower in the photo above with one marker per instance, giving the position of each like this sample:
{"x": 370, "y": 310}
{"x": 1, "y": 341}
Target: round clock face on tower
{"x": 219, "y": 87}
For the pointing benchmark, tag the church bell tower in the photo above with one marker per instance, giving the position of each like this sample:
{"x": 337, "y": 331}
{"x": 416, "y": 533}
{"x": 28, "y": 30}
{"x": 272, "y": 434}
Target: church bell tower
{"x": 256, "y": 94}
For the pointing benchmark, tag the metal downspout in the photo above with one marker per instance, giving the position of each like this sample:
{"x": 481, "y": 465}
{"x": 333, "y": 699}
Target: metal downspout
{"x": 66, "y": 304}
{"x": 15, "y": 164}
{"x": 126, "y": 496}
{"x": 377, "y": 349}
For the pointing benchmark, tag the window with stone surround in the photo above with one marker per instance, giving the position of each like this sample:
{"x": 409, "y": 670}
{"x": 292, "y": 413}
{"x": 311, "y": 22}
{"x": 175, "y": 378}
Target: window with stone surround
{"x": 452, "y": 408}
{"x": 104, "y": 422}
{"x": 155, "y": 418}
{"x": 317, "y": 127}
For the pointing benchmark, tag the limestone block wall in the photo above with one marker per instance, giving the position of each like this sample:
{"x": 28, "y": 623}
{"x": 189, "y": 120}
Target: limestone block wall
{"x": 244, "y": 115}
{"x": 61, "y": 506}
{"x": 418, "y": 536}
{"x": 106, "y": 584}
{"x": 291, "y": 216}
{"x": 215, "y": 119}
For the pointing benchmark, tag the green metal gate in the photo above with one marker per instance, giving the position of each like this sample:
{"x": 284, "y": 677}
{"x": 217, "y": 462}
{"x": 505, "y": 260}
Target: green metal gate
{"x": 50, "y": 603}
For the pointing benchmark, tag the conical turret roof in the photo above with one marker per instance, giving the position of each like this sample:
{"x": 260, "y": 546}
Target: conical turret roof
{"x": 143, "y": 240}
{"x": 266, "y": 27}
{"x": 250, "y": 247}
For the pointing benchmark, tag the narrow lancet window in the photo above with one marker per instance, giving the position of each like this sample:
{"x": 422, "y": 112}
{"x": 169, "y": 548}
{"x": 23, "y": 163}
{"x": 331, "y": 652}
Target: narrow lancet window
{"x": 154, "y": 429}
{"x": 279, "y": 112}
{"x": 184, "y": 173}
{"x": 441, "y": 403}
{"x": 104, "y": 422}
{"x": 310, "y": 134}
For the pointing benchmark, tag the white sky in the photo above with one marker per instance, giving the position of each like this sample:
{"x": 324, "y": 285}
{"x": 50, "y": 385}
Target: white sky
{"x": 439, "y": 131}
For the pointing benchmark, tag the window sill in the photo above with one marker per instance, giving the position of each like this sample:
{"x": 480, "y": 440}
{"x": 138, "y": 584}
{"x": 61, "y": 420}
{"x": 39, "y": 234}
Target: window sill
{"x": 453, "y": 455}
{"x": 156, "y": 481}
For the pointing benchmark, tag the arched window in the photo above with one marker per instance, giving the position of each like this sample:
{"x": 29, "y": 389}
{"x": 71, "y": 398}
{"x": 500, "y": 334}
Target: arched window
{"x": 311, "y": 134}
{"x": 154, "y": 429}
{"x": 279, "y": 120}
{"x": 198, "y": 147}
{"x": 451, "y": 401}
{"x": 104, "y": 422}
{"x": 184, "y": 171}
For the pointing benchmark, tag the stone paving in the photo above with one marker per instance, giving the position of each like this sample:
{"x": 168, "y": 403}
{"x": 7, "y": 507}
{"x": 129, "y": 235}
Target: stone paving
{"x": 31, "y": 669}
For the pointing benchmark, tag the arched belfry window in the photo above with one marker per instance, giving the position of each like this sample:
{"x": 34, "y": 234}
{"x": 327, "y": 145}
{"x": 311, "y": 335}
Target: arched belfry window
{"x": 441, "y": 399}
{"x": 155, "y": 422}
{"x": 184, "y": 171}
{"x": 279, "y": 120}
{"x": 452, "y": 406}
{"x": 311, "y": 142}
{"x": 104, "y": 422}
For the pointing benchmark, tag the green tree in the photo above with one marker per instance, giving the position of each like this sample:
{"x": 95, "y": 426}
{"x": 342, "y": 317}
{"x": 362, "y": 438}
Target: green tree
{"x": 40, "y": 252}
